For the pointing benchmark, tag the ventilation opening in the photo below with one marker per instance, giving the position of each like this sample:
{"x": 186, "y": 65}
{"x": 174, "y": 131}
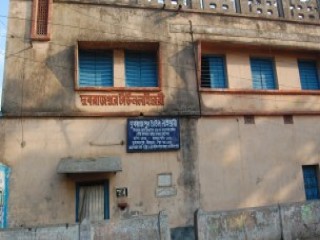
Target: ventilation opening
{"x": 249, "y": 119}
{"x": 288, "y": 119}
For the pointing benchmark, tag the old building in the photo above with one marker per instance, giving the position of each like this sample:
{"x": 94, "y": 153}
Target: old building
{"x": 115, "y": 109}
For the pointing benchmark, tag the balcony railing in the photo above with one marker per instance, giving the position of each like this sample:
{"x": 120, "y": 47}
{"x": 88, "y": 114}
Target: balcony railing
{"x": 299, "y": 10}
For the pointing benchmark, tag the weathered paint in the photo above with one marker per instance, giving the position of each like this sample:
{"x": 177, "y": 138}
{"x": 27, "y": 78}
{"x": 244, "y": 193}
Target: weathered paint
{"x": 256, "y": 223}
{"x": 138, "y": 228}
{"x": 283, "y": 221}
{"x": 301, "y": 220}
{"x": 4, "y": 194}
{"x": 47, "y": 68}
{"x": 48, "y": 232}
{"x": 222, "y": 164}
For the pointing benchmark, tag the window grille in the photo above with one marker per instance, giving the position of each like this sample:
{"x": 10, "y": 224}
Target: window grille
{"x": 40, "y": 29}
{"x": 42, "y": 17}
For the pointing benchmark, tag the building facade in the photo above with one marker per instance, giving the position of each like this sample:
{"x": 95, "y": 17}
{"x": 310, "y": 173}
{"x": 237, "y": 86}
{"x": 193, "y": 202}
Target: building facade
{"x": 237, "y": 80}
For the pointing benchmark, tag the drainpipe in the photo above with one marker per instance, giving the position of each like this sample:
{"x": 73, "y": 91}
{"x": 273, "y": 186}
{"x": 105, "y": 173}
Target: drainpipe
{"x": 196, "y": 67}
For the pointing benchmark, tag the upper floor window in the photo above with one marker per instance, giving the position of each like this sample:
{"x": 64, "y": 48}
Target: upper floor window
{"x": 120, "y": 66}
{"x": 263, "y": 74}
{"x": 141, "y": 69}
{"x": 95, "y": 68}
{"x": 308, "y": 74}
{"x": 213, "y": 72}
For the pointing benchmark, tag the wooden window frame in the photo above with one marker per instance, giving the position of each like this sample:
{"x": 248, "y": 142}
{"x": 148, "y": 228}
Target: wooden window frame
{"x": 137, "y": 46}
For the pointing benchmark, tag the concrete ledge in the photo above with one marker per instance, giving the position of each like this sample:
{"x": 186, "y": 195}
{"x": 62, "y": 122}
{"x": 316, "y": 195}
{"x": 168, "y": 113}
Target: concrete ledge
{"x": 89, "y": 165}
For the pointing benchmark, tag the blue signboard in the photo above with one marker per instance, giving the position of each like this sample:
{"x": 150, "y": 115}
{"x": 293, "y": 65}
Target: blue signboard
{"x": 155, "y": 134}
{"x": 4, "y": 194}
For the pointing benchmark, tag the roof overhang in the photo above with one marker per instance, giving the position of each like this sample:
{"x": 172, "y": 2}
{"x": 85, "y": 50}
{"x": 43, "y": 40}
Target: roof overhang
{"x": 89, "y": 165}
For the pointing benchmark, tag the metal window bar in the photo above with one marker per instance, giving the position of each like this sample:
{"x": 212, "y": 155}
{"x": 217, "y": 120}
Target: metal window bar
{"x": 213, "y": 72}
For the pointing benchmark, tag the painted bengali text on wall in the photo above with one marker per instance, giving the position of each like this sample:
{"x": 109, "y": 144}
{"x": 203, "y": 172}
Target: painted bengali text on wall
{"x": 122, "y": 99}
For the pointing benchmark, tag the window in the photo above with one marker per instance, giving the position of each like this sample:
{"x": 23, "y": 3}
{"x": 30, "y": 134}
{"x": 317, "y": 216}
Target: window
{"x": 263, "y": 76}
{"x": 311, "y": 186}
{"x": 95, "y": 68}
{"x": 41, "y": 12}
{"x": 92, "y": 201}
{"x": 308, "y": 75}
{"x": 141, "y": 69}
{"x": 213, "y": 72}
{"x": 120, "y": 66}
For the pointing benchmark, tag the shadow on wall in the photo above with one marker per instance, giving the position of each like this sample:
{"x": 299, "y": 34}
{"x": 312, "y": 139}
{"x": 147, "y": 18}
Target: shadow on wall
{"x": 255, "y": 164}
{"x": 180, "y": 82}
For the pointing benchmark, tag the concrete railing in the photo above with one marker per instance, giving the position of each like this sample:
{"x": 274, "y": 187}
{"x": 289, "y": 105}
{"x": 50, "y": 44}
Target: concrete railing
{"x": 50, "y": 232}
{"x": 298, "y": 10}
{"x": 138, "y": 228}
{"x": 280, "y": 222}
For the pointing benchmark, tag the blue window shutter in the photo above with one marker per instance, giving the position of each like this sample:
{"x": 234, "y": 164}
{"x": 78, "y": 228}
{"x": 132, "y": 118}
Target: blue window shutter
{"x": 263, "y": 76}
{"x": 308, "y": 75}
{"x": 213, "y": 72}
{"x": 106, "y": 200}
{"x": 310, "y": 182}
{"x": 141, "y": 69}
{"x": 95, "y": 68}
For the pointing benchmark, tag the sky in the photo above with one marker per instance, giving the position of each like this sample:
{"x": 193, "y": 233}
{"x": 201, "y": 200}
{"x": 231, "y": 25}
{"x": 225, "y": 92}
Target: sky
{"x": 3, "y": 29}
